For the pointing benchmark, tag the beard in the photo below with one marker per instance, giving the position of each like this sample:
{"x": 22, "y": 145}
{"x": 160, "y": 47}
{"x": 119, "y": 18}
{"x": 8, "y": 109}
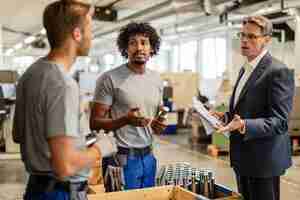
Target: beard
{"x": 139, "y": 62}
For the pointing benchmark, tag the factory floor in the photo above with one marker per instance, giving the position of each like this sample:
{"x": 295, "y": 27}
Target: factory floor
{"x": 168, "y": 149}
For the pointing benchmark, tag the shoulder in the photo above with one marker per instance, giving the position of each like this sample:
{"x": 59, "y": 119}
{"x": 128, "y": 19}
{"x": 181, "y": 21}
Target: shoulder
{"x": 113, "y": 75}
{"x": 277, "y": 66}
{"x": 272, "y": 64}
{"x": 43, "y": 71}
{"x": 279, "y": 70}
{"x": 113, "y": 72}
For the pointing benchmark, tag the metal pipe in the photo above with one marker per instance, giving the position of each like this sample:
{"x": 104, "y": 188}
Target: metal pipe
{"x": 150, "y": 14}
{"x": 168, "y": 10}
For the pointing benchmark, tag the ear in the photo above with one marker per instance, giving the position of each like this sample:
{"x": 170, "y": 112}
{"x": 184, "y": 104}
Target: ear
{"x": 268, "y": 39}
{"x": 152, "y": 51}
{"x": 77, "y": 36}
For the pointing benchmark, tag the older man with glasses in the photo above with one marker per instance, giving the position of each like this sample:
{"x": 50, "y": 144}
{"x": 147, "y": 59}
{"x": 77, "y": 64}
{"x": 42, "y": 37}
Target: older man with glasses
{"x": 258, "y": 115}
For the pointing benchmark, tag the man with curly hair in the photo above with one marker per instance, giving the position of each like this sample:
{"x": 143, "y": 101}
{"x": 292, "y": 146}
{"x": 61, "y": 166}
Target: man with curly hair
{"x": 126, "y": 101}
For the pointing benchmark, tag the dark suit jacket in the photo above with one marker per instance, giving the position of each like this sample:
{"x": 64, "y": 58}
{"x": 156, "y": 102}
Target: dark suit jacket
{"x": 264, "y": 103}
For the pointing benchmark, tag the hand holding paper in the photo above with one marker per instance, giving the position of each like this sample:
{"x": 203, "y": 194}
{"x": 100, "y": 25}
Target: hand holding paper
{"x": 209, "y": 121}
{"x": 219, "y": 115}
{"x": 236, "y": 124}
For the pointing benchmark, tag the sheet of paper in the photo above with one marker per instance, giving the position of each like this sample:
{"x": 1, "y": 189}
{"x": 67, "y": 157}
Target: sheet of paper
{"x": 209, "y": 122}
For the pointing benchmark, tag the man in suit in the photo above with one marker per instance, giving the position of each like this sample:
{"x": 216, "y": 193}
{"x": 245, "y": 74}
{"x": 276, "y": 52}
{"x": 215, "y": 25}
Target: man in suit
{"x": 258, "y": 115}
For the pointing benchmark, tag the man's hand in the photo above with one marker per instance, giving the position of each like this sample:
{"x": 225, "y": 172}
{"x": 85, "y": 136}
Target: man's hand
{"x": 157, "y": 126}
{"x": 236, "y": 124}
{"x": 134, "y": 118}
{"x": 219, "y": 115}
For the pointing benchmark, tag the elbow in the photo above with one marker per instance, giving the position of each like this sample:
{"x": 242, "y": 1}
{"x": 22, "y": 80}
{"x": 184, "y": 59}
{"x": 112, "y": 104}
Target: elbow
{"x": 96, "y": 125}
{"x": 93, "y": 125}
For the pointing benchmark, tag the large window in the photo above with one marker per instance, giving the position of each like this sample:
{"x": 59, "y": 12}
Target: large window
{"x": 175, "y": 58}
{"x": 213, "y": 57}
{"x": 188, "y": 56}
{"x": 109, "y": 61}
{"x": 183, "y": 56}
{"x": 159, "y": 62}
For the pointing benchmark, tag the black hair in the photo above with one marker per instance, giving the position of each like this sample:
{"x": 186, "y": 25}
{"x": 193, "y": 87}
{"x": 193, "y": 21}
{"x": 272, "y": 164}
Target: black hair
{"x": 133, "y": 29}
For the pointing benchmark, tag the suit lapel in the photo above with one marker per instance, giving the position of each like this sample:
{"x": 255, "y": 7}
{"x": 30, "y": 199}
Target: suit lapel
{"x": 260, "y": 68}
{"x": 231, "y": 105}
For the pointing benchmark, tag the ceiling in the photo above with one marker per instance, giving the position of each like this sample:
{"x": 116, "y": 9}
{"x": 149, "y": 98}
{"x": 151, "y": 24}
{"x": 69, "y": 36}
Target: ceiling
{"x": 27, "y": 17}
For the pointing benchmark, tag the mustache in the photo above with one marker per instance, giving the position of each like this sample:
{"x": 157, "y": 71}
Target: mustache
{"x": 138, "y": 52}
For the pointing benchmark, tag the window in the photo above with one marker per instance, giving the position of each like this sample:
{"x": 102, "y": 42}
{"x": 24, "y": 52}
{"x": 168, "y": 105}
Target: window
{"x": 159, "y": 62}
{"x": 20, "y": 64}
{"x": 174, "y": 58}
{"x": 213, "y": 57}
{"x": 188, "y": 56}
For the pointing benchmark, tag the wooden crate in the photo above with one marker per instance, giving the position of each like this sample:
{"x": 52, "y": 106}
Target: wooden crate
{"x": 95, "y": 177}
{"x": 216, "y": 151}
{"x": 164, "y": 193}
{"x": 96, "y": 189}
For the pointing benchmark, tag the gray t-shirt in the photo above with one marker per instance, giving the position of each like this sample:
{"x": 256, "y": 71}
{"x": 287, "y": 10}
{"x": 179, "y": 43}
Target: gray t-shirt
{"x": 47, "y": 105}
{"x": 123, "y": 89}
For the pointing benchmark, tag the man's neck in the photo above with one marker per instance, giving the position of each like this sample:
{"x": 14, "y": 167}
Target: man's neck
{"x": 137, "y": 68}
{"x": 62, "y": 56}
{"x": 251, "y": 58}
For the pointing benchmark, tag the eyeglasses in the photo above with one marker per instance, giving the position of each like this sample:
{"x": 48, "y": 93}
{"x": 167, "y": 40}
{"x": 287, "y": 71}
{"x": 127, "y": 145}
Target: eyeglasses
{"x": 249, "y": 36}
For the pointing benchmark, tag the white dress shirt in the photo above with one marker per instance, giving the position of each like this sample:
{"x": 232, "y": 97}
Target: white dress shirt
{"x": 249, "y": 68}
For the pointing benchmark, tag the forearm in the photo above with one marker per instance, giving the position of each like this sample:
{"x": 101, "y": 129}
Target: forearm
{"x": 67, "y": 160}
{"x": 264, "y": 127}
{"x": 107, "y": 124}
{"x": 85, "y": 158}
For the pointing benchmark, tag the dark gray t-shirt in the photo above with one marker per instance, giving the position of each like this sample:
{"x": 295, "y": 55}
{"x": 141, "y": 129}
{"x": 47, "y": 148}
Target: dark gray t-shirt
{"x": 47, "y": 105}
{"x": 123, "y": 89}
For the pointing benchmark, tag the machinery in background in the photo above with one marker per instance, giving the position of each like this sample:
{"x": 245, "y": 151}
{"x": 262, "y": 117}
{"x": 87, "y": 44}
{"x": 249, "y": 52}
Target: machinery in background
{"x": 8, "y": 81}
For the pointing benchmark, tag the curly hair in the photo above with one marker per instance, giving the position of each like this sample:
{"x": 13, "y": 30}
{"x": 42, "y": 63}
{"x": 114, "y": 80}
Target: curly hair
{"x": 133, "y": 29}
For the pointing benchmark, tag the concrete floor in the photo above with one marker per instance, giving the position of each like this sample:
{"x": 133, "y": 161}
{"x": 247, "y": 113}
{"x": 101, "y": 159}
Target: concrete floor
{"x": 168, "y": 149}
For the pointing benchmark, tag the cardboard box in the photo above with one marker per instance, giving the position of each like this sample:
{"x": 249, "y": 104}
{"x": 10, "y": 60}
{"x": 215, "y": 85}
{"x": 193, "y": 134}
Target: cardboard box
{"x": 7, "y": 76}
{"x": 185, "y": 87}
{"x": 164, "y": 193}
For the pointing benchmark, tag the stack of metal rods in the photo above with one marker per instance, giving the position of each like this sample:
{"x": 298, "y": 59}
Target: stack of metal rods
{"x": 200, "y": 181}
